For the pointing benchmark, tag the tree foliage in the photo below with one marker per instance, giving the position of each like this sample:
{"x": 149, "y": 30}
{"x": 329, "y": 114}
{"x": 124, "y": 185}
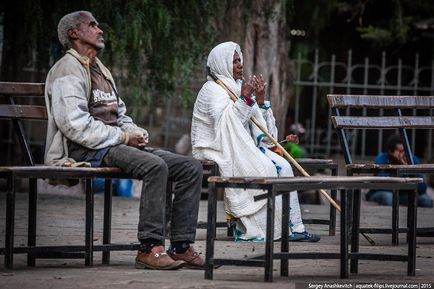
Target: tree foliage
{"x": 367, "y": 25}
{"x": 395, "y": 27}
{"x": 151, "y": 46}
{"x": 155, "y": 45}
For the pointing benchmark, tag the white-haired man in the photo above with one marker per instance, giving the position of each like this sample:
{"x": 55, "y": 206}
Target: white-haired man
{"x": 87, "y": 122}
{"x": 222, "y": 132}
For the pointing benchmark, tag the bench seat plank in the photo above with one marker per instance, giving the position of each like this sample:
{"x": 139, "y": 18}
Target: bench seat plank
{"x": 344, "y": 181}
{"x": 42, "y": 171}
{"x": 404, "y": 169}
{"x": 316, "y": 182}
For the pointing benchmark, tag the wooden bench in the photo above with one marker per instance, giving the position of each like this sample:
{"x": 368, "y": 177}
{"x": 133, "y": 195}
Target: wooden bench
{"x": 277, "y": 186}
{"x": 311, "y": 166}
{"x": 9, "y": 110}
{"x": 376, "y": 112}
{"x": 17, "y": 113}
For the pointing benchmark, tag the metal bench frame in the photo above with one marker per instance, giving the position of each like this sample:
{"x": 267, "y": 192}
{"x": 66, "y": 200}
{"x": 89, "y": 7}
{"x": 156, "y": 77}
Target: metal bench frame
{"x": 277, "y": 186}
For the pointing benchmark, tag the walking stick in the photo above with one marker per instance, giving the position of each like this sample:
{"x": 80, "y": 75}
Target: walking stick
{"x": 278, "y": 145}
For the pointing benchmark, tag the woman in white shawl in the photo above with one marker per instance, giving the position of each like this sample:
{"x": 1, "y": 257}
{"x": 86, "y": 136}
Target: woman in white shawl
{"x": 222, "y": 132}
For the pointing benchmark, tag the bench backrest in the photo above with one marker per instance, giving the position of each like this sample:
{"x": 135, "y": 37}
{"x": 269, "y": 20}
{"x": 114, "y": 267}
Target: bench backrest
{"x": 343, "y": 106}
{"x": 12, "y": 92}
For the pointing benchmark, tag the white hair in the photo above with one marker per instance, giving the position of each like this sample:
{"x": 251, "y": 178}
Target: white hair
{"x": 69, "y": 21}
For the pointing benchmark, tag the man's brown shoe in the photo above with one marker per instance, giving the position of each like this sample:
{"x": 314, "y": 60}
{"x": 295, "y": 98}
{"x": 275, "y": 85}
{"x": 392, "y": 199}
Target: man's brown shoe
{"x": 157, "y": 259}
{"x": 192, "y": 259}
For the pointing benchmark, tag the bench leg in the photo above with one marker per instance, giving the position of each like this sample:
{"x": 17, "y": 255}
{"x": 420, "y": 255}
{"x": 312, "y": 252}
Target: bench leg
{"x": 230, "y": 229}
{"x": 355, "y": 230}
{"x": 412, "y": 213}
{"x": 350, "y": 202}
{"x": 89, "y": 224}
{"x": 344, "y": 235}
{"x": 269, "y": 238}
{"x": 107, "y": 227}
{"x": 211, "y": 230}
{"x": 395, "y": 218}
{"x": 332, "y": 224}
{"x": 10, "y": 219}
{"x": 32, "y": 221}
{"x": 285, "y": 232}
{"x": 168, "y": 208}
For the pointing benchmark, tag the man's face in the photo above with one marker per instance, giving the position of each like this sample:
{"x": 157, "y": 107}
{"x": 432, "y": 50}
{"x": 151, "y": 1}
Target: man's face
{"x": 90, "y": 34}
{"x": 237, "y": 67}
{"x": 399, "y": 153}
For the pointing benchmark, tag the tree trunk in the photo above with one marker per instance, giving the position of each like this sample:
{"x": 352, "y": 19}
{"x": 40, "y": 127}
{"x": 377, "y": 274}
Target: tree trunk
{"x": 262, "y": 36}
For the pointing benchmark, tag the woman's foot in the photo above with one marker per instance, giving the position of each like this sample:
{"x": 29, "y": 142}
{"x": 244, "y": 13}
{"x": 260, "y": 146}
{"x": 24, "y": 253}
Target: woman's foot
{"x": 304, "y": 237}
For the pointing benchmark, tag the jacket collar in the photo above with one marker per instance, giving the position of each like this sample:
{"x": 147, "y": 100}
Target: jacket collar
{"x": 85, "y": 61}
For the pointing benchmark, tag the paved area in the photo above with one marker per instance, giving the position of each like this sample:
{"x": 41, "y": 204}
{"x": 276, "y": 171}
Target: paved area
{"x": 61, "y": 221}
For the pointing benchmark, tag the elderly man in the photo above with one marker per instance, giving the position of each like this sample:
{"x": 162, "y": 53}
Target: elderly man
{"x": 222, "y": 132}
{"x": 87, "y": 123}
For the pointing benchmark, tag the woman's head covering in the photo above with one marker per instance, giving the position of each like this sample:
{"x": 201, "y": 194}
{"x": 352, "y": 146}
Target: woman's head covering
{"x": 220, "y": 62}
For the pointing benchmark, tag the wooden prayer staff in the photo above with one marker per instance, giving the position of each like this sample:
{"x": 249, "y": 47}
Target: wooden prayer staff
{"x": 277, "y": 144}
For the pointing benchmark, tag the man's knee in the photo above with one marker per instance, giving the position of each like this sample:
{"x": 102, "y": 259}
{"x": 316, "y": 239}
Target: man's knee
{"x": 383, "y": 198}
{"x": 161, "y": 166}
{"x": 195, "y": 168}
{"x": 386, "y": 199}
{"x": 425, "y": 201}
{"x": 158, "y": 166}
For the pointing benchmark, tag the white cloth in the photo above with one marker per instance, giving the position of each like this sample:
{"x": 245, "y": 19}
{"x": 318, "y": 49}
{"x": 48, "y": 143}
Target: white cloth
{"x": 222, "y": 132}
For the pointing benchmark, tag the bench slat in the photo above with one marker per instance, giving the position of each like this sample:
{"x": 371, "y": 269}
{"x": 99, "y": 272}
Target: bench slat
{"x": 389, "y": 168}
{"x": 21, "y": 88}
{"x": 23, "y": 112}
{"x": 380, "y": 101}
{"x": 387, "y": 122}
{"x": 42, "y": 171}
{"x": 316, "y": 180}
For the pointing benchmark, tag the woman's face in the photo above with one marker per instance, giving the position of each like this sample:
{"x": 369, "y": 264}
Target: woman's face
{"x": 237, "y": 67}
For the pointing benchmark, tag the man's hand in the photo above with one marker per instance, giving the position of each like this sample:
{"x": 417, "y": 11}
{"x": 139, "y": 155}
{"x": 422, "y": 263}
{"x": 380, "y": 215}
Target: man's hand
{"x": 137, "y": 140}
{"x": 398, "y": 157}
{"x": 292, "y": 138}
{"x": 259, "y": 86}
